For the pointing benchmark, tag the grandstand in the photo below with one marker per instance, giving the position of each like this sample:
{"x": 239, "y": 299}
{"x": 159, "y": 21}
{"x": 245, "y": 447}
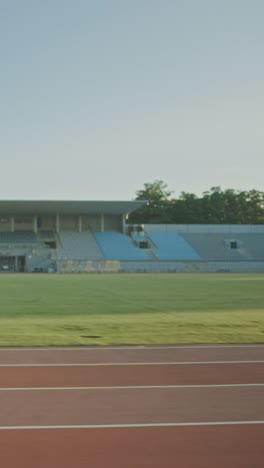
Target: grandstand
{"x": 93, "y": 236}
{"x": 118, "y": 246}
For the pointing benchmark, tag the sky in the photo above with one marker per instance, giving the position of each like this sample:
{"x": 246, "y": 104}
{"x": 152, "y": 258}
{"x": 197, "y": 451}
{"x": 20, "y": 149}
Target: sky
{"x": 99, "y": 97}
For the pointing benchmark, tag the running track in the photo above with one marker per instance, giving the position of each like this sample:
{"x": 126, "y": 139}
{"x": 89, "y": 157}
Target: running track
{"x": 133, "y": 407}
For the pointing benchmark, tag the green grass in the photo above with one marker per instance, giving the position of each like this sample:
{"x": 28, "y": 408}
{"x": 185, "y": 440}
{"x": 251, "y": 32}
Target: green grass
{"x": 131, "y": 309}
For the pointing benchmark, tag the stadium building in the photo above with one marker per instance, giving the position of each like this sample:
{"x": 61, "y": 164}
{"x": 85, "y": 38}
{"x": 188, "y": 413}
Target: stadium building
{"x": 94, "y": 236}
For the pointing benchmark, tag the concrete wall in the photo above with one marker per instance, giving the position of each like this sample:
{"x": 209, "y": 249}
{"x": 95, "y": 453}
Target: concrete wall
{"x": 207, "y": 228}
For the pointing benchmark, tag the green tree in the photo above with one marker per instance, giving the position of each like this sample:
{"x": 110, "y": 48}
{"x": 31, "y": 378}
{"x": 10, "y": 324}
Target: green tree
{"x": 213, "y": 206}
{"x": 216, "y": 206}
{"x": 233, "y": 207}
{"x": 157, "y": 209}
{"x": 187, "y": 209}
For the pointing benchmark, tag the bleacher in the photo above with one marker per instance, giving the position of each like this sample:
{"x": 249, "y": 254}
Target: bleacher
{"x": 253, "y": 245}
{"x": 117, "y": 246}
{"x": 92, "y": 236}
{"x": 168, "y": 248}
{"x": 78, "y": 246}
{"x": 18, "y": 237}
{"x": 212, "y": 246}
{"x": 172, "y": 246}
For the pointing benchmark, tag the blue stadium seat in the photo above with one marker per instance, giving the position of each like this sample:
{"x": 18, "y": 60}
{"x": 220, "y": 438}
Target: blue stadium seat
{"x": 117, "y": 246}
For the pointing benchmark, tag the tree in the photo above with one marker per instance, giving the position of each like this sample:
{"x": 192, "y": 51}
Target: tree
{"x": 213, "y": 206}
{"x": 216, "y": 206}
{"x": 233, "y": 207}
{"x": 156, "y": 211}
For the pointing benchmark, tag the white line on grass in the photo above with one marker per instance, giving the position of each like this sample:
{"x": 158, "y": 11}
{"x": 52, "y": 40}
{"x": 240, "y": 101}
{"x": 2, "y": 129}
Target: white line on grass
{"x": 101, "y": 364}
{"x": 116, "y": 426}
{"x": 128, "y": 387}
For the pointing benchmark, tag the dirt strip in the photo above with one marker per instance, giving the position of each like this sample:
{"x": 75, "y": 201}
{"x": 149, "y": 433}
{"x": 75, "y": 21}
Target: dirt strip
{"x": 131, "y": 406}
{"x": 137, "y": 375}
{"x": 125, "y": 355}
{"x": 185, "y": 447}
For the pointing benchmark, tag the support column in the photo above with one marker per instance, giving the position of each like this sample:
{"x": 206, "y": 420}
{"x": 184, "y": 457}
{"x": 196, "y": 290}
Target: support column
{"x": 80, "y": 223}
{"x": 102, "y": 223}
{"x": 124, "y": 218}
{"x": 58, "y": 223}
{"x": 35, "y": 224}
{"x": 12, "y": 224}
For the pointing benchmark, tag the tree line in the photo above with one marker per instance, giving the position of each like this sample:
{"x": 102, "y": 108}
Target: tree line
{"x": 215, "y": 206}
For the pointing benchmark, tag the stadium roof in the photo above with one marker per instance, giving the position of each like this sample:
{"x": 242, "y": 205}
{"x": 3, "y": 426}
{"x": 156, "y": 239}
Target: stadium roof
{"x": 38, "y": 207}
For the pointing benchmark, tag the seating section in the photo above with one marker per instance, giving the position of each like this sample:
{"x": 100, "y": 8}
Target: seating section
{"x": 253, "y": 245}
{"x": 212, "y": 246}
{"x": 172, "y": 246}
{"x": 118, "y": 246}
{"x": 78, "y": 246}
{"x": 18, "y": 237}
{"x": 168, "y": 248}
{"x": 217, "y": 246}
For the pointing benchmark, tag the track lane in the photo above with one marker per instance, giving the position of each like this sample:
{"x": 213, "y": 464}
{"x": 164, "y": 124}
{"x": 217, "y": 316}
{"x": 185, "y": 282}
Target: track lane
{"x": 186, "y": 447}
{"x": 132, "y": 354}
{"x": 131, "y": 406}
{"x": 138, "y": 375}
{"x": 237, "y": 446}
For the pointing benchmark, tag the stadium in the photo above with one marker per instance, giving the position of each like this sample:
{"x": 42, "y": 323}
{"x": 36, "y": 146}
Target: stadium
{"x": 95, "y": 236}
{"x": 132, "y": 234}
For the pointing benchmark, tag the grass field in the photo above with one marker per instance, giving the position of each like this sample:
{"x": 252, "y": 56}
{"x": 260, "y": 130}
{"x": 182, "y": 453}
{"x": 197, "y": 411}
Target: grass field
{"x": 131, "y": 309}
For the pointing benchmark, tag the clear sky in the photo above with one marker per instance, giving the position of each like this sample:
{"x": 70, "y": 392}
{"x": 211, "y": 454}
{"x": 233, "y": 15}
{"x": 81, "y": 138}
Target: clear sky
{"x": 98, "y": 97}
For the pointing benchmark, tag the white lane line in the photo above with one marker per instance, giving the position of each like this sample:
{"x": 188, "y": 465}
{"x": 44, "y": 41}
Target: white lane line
{"x": 100, "y": 364}
{"x": 128, "y": 387}
{"x": 132, "y": 347}
{"x": 116, "y": 426}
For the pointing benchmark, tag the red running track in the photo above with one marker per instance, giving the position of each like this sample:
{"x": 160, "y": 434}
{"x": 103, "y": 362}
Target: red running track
{"x": 80, "y": 376}
{"x": 183, "y": 447}
{"x": 128, "y": 354}
{"x": 216, "y": 419}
